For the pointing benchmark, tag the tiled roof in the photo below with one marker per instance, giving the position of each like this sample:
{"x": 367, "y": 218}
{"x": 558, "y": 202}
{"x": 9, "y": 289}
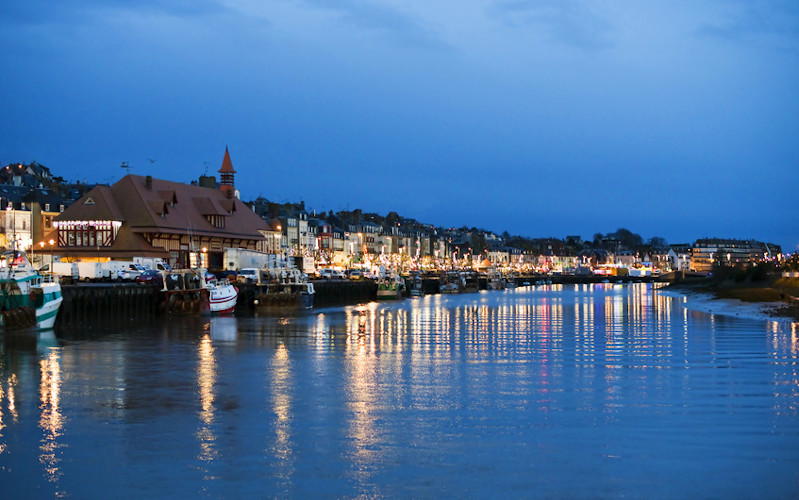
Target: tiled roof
{"x": 227, "y": 165}
{"x": 184, "y": 208}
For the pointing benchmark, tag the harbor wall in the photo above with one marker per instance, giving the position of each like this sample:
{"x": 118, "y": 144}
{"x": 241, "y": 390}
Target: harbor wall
{"x": 125, "y": 302}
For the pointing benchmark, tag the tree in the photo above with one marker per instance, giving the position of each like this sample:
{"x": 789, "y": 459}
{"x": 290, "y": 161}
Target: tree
{"x": 657, "y": 242}
{"x": 628, "y": 239}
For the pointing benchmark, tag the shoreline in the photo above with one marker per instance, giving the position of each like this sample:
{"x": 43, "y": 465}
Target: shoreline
{"x": 706, "y": 301}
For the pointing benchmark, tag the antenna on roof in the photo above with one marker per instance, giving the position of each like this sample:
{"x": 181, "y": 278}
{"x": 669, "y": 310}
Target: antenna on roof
{"x": 205, "y": 164}
{"x": 125, "y": 166}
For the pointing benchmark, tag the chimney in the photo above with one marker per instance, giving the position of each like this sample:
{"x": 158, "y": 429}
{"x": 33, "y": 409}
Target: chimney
{"x": 148, "y": 182}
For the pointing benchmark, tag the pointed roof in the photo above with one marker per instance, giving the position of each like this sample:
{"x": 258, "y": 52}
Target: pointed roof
{"x": 227, "y": 165}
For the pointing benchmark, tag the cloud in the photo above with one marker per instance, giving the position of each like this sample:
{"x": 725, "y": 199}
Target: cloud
{"x": 750, "y": 19}
{"x": 390, "y": 22}
{"x": 570, "y": 22}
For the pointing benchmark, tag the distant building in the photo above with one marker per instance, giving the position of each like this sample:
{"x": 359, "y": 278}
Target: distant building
{"x": 680, "y": 257}
{"x": 709, "y": 252}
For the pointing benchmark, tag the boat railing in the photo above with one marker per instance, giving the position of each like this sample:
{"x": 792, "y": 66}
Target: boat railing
{"x": 49, "y": 278}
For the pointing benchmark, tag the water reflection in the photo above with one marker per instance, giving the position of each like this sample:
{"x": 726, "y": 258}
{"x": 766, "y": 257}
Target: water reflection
{"x": 50, "y": 420}
{"x": 282, "y": 387}
{"x": 206, "y": 380}
{"x": 522, "y": 384}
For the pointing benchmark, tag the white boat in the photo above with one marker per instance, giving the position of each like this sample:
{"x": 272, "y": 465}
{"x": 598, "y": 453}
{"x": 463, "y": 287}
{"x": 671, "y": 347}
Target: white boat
{"x": 194, "y": 291}
{"x": 28, "y": 299}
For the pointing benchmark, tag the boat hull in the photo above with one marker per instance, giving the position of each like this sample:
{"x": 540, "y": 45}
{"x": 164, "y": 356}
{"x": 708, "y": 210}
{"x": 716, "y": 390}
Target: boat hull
{"x": 268, "y": 299}
{"x": 223, "y": 300}
{"x": 389, "y": 294}
{"x": 36, "y": 305}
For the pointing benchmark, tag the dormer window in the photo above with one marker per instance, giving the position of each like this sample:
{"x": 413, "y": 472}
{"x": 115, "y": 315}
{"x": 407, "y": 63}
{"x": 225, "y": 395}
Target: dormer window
{"x": 217, "y": 221}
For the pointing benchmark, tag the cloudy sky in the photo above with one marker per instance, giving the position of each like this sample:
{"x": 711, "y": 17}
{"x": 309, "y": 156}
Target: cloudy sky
{"x": 674, "y": 118}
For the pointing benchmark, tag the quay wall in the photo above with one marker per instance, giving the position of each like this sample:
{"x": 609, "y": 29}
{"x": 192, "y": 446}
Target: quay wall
{"x": 114, "y": 302}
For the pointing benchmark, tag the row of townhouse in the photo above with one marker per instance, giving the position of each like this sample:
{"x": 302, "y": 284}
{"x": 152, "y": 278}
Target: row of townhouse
{"x": 194, "y": 224}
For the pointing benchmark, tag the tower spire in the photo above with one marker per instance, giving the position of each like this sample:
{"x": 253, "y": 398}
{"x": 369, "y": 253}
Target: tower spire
{"x": 226, "y": 183}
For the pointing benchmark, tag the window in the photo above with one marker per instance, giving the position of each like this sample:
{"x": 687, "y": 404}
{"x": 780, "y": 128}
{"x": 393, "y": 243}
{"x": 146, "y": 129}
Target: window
{"x": 87, "y": 233}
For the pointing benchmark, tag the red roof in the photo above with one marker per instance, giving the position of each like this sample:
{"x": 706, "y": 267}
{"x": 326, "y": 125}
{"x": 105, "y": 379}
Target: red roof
{"x": 227, "y": 165}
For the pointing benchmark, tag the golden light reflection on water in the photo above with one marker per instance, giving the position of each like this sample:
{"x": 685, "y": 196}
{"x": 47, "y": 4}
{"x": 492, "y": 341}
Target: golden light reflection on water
{"x": 605, "y": 332}
{"x": 51, "y": 421}
{"x": 362, "y": 401}
{"x": 206, "y": 381}
{"x": 8, "y": 396}
{"x": 282, "y": 386}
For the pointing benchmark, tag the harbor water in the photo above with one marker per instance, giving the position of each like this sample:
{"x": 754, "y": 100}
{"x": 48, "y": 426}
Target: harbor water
{"x": 561, "y": 391}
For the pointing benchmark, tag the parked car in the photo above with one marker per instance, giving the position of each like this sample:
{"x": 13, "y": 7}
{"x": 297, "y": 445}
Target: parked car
{"x": 356, "y": 274}
{"x": 230, "y": 275}
{"x": 150, "y": 277}
{"x": 248, "y": 275}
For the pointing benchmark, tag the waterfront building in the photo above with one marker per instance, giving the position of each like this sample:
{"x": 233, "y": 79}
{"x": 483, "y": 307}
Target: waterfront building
{"x": 147, "y": 217}
{"x": 709, "y": 252}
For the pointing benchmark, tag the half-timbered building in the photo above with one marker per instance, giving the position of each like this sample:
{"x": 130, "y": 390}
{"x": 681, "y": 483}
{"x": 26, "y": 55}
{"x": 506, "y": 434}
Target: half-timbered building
{"x": 147, "y": 217}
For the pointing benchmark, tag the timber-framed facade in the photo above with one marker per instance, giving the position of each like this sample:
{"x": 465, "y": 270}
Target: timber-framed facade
{"x": 138, "y": 216}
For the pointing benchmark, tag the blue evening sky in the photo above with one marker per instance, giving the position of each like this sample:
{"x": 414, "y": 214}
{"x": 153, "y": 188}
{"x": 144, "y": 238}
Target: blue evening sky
{"x": 675, "y": 118}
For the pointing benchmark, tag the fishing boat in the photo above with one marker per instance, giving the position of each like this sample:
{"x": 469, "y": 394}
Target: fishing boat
{"x": 495, "y": 281}
{"x": 417, "y": 286}
{"x": 452, "y": 283}
{"x": 471, "y": 281}
{"x": 282, "y": 287}
{"x": 510, "y": 281}
{"x": 28, "y": 299}
{"x": 194, "y": 291}
{"x": 390, "y": 287}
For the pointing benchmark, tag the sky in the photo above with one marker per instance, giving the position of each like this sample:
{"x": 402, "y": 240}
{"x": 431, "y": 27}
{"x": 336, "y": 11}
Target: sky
{"x": 677, "y": 119}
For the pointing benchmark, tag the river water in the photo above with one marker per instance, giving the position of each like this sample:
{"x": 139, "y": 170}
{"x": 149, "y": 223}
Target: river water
{"x": 588, "y": 391}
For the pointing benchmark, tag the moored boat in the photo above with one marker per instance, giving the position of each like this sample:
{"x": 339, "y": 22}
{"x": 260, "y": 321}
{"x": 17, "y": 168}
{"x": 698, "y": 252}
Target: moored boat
{"x": 495, "y": 281}
{"x": 416, "y": 287}
{"x": 28, "y": 299}
{"x": 452, "y": 282}
{"x": 390, "y": 287}
{"x": 282, "y": 288}
{"x": 193, "y": 291}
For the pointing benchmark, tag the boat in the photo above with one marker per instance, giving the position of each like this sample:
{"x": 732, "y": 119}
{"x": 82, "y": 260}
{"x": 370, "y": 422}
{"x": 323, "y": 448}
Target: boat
{"x": 510, "y": 281}
{"x": 194, "y": 291}
{"x": 28, "y": 299}
{"x": 452, "y": 283}
{"x": 281, "y": 287}
{"x": 417, "y": 287}
{"x": 494, "y": 280}
{"x": 470, "y": 282}
{"x": 390, "y": 286}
